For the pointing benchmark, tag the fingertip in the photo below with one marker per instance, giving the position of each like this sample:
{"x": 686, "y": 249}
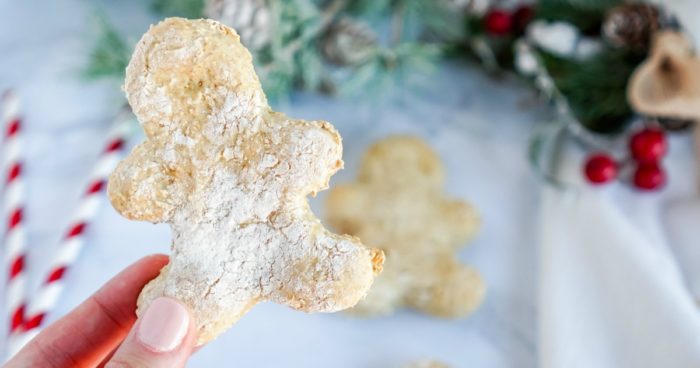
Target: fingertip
{"x": 164, "y": 325}
{"x": 164, "y": 336}
{"x": 156, "y": 258}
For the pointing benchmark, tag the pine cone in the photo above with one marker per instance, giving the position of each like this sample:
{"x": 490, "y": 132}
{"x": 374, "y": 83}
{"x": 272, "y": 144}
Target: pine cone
{"x": 631, "y": 25}
{"x": 348, "y": 42}
{"x": 250, "y": 18}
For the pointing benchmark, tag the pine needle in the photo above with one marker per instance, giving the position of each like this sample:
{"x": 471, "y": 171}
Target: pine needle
{"x": 110, "y": 54}
{"x": 192, "y": 9}
{"x": 586, "y": 15}
{"x": 596, "y": 88}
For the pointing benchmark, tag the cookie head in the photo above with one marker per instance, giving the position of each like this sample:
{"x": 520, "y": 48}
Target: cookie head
{"x": 400, "y": 159}
{"x": 182, "y": 75}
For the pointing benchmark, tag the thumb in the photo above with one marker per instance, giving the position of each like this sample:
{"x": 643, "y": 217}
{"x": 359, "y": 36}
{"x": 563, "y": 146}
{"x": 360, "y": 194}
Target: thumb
{"x": 163, "y": 336}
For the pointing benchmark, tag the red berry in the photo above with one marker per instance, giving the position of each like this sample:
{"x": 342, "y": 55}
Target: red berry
{"x": 522, "y": 16}
{"x": 648, "y": 145}
{"x": 498, "y": 22}
{"x": 600, "y": 168}
{"x": 649, "y": 176}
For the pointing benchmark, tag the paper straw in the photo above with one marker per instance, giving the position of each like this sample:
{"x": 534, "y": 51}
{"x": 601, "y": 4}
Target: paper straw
{"x": 72, "y": 243}
{"x": 15, "y": 237}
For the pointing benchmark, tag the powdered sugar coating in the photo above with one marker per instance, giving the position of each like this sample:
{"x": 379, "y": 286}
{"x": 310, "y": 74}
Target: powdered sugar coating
{"x": 230, "y": 176}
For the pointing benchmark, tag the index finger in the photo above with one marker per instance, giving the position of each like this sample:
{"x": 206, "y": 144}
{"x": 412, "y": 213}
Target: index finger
{"x": 90, "y": 332}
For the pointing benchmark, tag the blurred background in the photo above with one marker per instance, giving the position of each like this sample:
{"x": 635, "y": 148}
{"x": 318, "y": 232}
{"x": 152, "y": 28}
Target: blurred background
{"x": 568, "y": 125}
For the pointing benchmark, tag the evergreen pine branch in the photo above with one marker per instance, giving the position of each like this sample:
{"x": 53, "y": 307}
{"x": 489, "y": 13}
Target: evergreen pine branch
{"x": 434, "y": 17}
{"x": 596, "y": 88}
{"x": 310, "y": 69}
{"x": 599, "y": 5}
{"x": 292, "y": 59}
{"x": 110, "y": 54}
{"x": 370, "y": 9}
{"x": 281, "y": 64}
{"x": 192, "y": 9}
{"x": 391, "y": 67}
{"x": 586, "y": 15}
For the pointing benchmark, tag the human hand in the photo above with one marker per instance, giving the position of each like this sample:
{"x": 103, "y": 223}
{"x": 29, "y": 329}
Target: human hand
{"x": 104, "y": 331}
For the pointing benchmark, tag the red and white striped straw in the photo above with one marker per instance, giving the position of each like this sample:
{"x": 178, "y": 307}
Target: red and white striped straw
{"x": 68, "y": 250}
{"x": 15, "y": 237}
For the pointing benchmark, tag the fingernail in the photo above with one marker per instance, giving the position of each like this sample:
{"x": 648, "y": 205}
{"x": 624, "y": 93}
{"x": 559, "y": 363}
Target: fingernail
{"x": 164, "y": 325}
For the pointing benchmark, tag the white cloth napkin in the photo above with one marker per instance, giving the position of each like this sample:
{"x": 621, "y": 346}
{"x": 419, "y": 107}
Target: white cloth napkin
{"x": 609, "y": 295}
{"x": 682, "y": 220}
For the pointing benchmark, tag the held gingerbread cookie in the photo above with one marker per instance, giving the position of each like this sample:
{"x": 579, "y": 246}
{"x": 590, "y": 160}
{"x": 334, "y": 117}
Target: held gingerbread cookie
{"x": 230, "y": 176}
{"x": 398, "y": 205}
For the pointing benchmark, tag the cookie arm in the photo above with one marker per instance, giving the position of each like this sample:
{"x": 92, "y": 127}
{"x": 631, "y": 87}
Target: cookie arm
{"x": 461, "y": 221}
{"x": 141, "y": 188}
{"x": 314, "y": 155}
{"x": 346, "y": 207}
{"x": 334, "y": 273}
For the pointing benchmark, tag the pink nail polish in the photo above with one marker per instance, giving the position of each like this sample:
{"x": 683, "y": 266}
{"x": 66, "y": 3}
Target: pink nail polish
{"x": 164, "y": 325}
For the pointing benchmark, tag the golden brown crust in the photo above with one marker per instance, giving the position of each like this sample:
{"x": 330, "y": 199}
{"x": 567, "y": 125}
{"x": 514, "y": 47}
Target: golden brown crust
{"x": 397, "y": 205}
{"x": 230, "y": 176}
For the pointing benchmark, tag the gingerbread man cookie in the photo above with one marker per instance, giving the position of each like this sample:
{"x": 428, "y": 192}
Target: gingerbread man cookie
{"x": 230, "y": 176}
{"x": 398, "y": 205}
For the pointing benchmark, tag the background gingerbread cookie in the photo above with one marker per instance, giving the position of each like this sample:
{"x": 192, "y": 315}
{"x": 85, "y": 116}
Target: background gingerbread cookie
{"x": 230, "y": 176}
{"x": 398, "y": 205}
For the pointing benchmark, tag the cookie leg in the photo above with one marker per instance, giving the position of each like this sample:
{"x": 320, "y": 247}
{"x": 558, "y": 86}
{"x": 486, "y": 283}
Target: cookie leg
{"x": 332, "y": 273}
{"x": 383, "y": 298}
{"x": 346, "y": 208}
{"x": 454, "y": 291}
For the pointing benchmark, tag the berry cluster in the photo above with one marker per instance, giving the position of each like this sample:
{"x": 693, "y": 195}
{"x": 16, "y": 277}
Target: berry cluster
{"x": 501, "y": 22}
{"x": 647, "y": 147}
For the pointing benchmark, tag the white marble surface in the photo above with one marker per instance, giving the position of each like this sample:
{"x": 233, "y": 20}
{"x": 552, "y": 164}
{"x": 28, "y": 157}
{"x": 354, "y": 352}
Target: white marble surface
{"x": 479, "y": 127}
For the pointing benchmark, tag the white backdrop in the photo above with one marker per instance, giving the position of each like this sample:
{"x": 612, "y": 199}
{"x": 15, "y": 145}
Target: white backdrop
{"x": 480, "y": 128}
